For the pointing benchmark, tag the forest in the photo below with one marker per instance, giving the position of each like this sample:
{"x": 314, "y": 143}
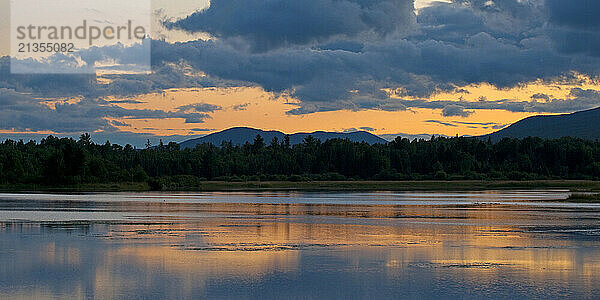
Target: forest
{"x": 66, "y": 161}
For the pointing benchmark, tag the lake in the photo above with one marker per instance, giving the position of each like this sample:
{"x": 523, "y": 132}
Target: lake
{"x": 273, "y": 245}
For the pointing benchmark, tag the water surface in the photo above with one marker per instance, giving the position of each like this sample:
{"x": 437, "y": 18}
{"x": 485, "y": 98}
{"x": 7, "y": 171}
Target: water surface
{"x": 500, "y": 244}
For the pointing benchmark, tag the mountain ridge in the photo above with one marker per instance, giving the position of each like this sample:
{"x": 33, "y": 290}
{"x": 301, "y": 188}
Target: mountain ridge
{"x": 582, "y": 124}
{"x": 241, "y": 135}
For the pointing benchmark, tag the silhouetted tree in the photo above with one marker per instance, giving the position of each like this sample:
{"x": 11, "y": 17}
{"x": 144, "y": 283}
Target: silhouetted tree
{"x": 66, "y": 161}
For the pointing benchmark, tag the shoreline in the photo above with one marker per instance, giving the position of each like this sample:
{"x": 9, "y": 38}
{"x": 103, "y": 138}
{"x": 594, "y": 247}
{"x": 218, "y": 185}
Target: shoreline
{"x": 223, "y": 186}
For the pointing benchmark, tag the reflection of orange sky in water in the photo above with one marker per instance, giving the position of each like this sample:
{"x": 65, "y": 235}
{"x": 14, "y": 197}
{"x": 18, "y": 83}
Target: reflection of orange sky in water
{"x": 267, "y": 237}
{"x": 250, "y": 242}
{"x": 250, "y": 256}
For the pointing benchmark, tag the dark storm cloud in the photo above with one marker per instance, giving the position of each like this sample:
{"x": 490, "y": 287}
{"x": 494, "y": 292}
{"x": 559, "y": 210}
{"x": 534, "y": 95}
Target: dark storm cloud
{"x": 582, "y": 14}
{"x": 9, "y": 98}
{"x": 344, "y": 45}
{"x": 499, "y": 42}
{"x": 270, "y": 24}
{"x": 574, "y": 25}
{"x": 449, "y": 22}
{"x": 513, "y": 8}
{"x": 333, "y": 80}
{"x": 575, "y": 41}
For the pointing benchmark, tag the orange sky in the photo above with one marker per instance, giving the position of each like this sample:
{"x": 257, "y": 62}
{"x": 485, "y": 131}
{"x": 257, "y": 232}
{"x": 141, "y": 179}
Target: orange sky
{"x": 253, "y": 107}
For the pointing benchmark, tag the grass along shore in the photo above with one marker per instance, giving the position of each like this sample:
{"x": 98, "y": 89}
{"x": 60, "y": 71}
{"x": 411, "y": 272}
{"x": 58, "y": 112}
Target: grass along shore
{"x": 581, "y": 188}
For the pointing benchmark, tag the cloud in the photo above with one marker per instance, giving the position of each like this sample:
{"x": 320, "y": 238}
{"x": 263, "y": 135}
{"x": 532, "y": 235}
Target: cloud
{"x": 337, "y": 55}
{"x": 24, "y": 112}
{"x": 483, "y": 125}
{"x": 126, "y": 101}
{"x": 240, "y": 107}
{"x": 475, "y": 123}
{"x": 349, "y": 130}
{"x": 578, "y": 99}
{"x": 119, "y": 123}
{"x": 455, "y": 110}
{"x": 199, "y": 107}
{"x": 164, "y": 76}
{"x": 197, "y": 112}
{"x": 502, "y": 43}
{"x": 450, "y": 22}
{"x": 343, "y": 45}
{"x": 333, "y": 80}
{"x": 581, "y": 14}
{"x": 195, "y": 118}
{"x": 574, "y": 25}
{"x": 441, "y": 123}
{"x": 265, "y": 25}
{"x": 540, "y": 96}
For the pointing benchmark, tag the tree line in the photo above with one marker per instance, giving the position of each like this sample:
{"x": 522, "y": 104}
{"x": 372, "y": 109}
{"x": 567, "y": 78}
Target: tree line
{"x": 66, "y": 161}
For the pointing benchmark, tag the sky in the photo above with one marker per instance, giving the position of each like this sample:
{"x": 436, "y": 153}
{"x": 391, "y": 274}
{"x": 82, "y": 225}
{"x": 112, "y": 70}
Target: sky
{"x": 385, "y": 66}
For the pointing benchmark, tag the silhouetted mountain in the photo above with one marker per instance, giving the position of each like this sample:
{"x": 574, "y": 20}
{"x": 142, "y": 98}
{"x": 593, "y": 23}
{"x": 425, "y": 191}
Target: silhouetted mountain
{"x": 584, "y": 124}
{"x": 241, "y": 135}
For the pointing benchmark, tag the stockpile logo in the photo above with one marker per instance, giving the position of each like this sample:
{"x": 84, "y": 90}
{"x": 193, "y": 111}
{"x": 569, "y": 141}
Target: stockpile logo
{"x": 80, "y": 36}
